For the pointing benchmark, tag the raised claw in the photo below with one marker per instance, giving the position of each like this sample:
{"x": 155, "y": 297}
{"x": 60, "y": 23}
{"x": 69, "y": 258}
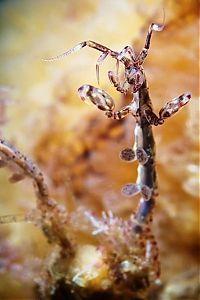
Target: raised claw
{"x": 174, "y": 106}
{"x": 99, "y": 97}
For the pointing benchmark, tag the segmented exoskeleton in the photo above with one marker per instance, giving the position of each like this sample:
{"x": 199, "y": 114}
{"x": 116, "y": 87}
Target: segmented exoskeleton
{"x": 53, "y": 218}
{"x": 140, "y": 108}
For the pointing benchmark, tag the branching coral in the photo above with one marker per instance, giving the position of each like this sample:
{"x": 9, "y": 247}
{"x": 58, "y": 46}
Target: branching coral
{"x": 47, "y": 210}
{"x": 118, "y": 255}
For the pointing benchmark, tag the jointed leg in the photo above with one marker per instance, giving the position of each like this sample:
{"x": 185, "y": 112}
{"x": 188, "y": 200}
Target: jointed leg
{"x": 98, "y": 97}
{"x": 120, "y": 87}
{"x": 173, "y": 106}
{"x": 144, "y": 52}
{"x": 102, "y": 101}
{"x": 81, "y": 45}
{"x": 120, "y": 114}
{"x": 152, "y": 118}
{"x": 125, "y": 50}
{"x": 169, "y": 109}
{"x": 99, "y": 62}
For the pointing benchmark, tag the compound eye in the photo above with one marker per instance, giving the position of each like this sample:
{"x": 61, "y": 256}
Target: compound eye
{"x": 131, "y": 75}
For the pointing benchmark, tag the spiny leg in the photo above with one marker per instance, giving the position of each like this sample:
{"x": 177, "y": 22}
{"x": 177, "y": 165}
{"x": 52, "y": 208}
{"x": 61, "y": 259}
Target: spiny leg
{"x": 81, "y": 45}
{"x": 105, "y": 52}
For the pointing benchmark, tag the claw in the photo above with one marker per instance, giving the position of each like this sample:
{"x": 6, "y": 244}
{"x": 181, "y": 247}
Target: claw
{"x": 99, "y": 97}
{"x": 174, "y": 106}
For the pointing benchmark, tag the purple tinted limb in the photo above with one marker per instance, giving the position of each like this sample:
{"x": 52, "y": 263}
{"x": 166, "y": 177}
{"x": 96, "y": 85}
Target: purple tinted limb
{"x": 168, "y": 110}
{"x": 120, "y": 114}
{"x": 102, "y": 101}
{"x": 98, "y": 97}
{"x": 130, "y": 189}
{"x": 173, "y": 106}
{"x": 144, "y": 52}
{"x": 99, "y": 62}
{"x": 129, "y": 50}
{"x": 120, "y": 87}
{"x": 81, "y": 45}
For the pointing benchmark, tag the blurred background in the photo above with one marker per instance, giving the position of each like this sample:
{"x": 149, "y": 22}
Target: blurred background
{"x": 76, "y": 147}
